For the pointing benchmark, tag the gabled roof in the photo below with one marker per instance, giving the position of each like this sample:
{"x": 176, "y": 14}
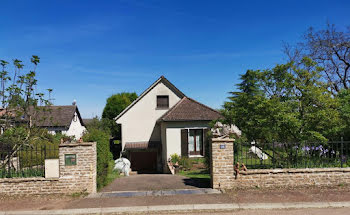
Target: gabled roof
{"x": 54, "y": 116}
{"x": 161, "y": 79}
{"x": 188, "y": 109}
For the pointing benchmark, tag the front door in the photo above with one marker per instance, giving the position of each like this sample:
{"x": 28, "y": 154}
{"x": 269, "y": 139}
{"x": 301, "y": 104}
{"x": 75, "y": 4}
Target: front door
{"x": 195, "y": 142}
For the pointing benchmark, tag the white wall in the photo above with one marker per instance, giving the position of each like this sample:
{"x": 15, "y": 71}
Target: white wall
{"x": 76, "y": 129}
{"x": 173, "y": 135}
{"x": 54, "y": 130}
{"x": 138, "y": 123}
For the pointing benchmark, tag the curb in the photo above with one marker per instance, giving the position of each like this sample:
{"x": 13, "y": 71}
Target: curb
{"x": 154, "y": 193}
{"x": 184, "y": 208}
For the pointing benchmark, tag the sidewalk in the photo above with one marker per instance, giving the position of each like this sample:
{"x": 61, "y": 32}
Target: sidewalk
{"x": 310, "y": 196}
{"x": 188, "y": 208}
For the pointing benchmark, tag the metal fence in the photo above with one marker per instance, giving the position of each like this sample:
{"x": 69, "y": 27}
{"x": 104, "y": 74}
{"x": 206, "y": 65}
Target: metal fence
{"x": 25, "y": 161}
{"x": 293, "y": 155}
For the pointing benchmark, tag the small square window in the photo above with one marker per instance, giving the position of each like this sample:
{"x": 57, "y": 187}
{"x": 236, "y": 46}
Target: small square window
{"x": 162, "y": 101}
{"x": 70, "y": 159}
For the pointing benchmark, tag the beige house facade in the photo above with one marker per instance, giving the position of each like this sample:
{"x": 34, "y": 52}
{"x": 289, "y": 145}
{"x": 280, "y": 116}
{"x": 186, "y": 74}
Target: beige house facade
{"x": 163, "y": 121}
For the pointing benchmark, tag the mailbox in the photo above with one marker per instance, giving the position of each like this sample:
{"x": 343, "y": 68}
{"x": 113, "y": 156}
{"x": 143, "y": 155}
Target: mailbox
{"x": 70, "y": 159}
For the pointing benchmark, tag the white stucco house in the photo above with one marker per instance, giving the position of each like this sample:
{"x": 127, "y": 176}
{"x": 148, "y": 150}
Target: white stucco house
{"x": 63, "y": 119}
{"x": 163, "y": 121}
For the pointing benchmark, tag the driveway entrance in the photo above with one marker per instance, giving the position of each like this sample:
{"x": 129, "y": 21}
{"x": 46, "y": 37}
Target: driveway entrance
{"x": 149, "y": 182}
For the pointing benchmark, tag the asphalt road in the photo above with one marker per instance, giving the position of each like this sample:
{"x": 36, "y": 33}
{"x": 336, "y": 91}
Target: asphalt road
{"x": 324, "y": 211}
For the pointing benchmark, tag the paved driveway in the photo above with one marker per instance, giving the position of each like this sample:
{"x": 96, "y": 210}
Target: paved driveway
{"x": 147, "y": 182}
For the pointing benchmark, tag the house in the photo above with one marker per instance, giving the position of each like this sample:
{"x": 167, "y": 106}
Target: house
{"x": 64, "y": 119}
{"x": 163, "y": 121}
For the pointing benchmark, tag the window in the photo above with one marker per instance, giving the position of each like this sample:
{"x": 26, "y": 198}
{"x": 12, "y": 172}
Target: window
{"x": 162, "y": 101}
{"x": 195, "y": 142}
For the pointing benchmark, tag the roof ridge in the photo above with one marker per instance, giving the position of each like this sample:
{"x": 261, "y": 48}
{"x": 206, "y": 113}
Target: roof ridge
{"x": 146, "y": 91}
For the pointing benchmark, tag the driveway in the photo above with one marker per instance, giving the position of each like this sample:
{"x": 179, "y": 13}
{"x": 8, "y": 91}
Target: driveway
{"x": 148, "y": 182}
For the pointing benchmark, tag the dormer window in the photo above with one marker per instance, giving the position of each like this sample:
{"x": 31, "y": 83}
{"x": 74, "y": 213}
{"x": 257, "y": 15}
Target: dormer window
{"x": 162, "y": 102}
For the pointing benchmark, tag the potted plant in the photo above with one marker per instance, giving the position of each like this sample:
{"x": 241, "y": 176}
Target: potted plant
{"x": 175, "y": 158}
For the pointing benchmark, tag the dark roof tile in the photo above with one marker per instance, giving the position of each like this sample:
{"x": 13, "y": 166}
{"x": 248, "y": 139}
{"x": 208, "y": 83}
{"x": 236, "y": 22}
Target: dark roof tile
{"x": 188, "y": 109}
{"x": 54, "y": 116}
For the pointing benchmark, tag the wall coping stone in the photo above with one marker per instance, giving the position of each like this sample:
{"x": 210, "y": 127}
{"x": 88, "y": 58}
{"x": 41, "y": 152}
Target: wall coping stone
{"x": 77, "y": 144}
{"x": 223, "y": 140}
{"x": 17, "y": 180}
{"x": 293, "y": 170}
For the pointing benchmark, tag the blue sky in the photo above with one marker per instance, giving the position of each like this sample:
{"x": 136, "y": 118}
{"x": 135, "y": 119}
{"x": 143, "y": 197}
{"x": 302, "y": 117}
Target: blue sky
{"x": 90, "y": 50}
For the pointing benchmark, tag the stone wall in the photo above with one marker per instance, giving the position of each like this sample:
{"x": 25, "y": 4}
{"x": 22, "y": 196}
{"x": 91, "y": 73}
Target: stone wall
{"x": 222, "y": 172}
{"x": 223, "y": 177}
{"x": 76, "y": 178}
{"x": 292, "y": 178}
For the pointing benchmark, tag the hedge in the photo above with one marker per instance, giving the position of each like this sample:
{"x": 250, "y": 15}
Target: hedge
{"x": 104, "y": 155}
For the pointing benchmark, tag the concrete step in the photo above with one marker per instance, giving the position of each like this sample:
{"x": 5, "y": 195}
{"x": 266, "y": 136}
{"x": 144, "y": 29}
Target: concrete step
{"x": 133, "y": 173}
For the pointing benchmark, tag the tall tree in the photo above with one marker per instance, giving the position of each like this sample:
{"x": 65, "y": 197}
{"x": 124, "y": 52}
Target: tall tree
{"x": 19, "y": 100}
{"x": 114, "y": 106}
{"x": 330, "y": 48}
{"x": 287, "y": 103}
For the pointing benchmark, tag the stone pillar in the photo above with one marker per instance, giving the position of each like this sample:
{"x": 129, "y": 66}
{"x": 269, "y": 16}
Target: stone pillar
{"x": 81, "y": 175}
{"x": 222, "y": 168}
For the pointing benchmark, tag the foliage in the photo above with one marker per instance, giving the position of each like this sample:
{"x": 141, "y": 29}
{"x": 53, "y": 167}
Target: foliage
{"x": 114, "y": 106}
{"x": 99, "y": 124}
{"x": 185, "y": 163}
{"x": 175, "y": 158}
{"x": 19, "y": 100}
{"x": 196, "y": 174}
{"x": 293, "y": 155}
{"x": 112, "y": 174}
{"x": 104, "y": 156}
{"x": 330, "y": 48}
{"x": 287, "y": 103}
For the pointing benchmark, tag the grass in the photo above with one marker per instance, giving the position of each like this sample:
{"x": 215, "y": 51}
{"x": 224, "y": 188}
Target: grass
{"x": 197, "y": 174}
{"x": 283, "y": 161}
{"x": 112, "y": 174}
{"x": 24, "y": 173}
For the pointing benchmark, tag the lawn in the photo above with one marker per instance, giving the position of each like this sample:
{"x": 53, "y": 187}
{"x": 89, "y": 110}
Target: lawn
{"x": 197, "y": 174}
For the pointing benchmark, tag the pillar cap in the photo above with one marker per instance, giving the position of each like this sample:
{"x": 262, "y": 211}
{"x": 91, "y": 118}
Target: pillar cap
{"x": 223, "y": 140}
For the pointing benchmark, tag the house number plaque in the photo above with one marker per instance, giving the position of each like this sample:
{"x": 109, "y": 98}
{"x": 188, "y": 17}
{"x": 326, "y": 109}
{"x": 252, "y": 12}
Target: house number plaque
{"x": 222, "y": 146}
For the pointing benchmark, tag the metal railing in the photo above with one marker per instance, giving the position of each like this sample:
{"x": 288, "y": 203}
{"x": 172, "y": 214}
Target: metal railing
{"x": 293, "y": 155}
{"x": 25, "y": 161}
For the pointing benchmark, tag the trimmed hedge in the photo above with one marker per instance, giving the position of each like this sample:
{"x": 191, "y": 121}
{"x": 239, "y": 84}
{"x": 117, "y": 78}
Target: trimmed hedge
{"x": 104, "y": 155}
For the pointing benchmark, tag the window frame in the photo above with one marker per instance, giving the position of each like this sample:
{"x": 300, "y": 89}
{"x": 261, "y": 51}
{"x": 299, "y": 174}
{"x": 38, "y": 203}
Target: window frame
{"x": 162, "y": 107}
{"x": 201, "y": 150}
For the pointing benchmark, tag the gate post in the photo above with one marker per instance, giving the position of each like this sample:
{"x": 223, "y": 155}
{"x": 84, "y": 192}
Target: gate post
{"x": 221, "y": 163}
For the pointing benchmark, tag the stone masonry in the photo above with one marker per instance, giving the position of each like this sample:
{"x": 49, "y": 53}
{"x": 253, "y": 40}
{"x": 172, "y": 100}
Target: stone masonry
{"x": 222, "y": 173}
{"x": 76, "y": 178}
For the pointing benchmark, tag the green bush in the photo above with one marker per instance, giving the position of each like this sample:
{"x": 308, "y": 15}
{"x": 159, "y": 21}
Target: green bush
{"x": 104, "y": 156}
{"x": 174, "y": 158}
{"x": 185, "y": 163}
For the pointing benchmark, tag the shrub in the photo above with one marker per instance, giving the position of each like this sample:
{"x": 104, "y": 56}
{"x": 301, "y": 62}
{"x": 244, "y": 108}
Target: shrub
{"x": 104, "y": 156}
{"x": 185, "y": 163}
{"x": 174, "y": 158}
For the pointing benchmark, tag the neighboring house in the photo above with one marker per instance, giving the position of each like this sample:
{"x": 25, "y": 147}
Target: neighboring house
{"x": 59, "y": 119}
{"x": 162, "y": 121}
{"x": 88, "y": 121}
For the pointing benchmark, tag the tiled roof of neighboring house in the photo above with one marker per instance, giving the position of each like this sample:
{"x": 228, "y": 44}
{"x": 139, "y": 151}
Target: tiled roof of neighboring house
{"x": 87, "y": 121}
{"x": 161, "y": 79}
{"x": 54, "y": 116}
{"x": 188, "y": 109}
